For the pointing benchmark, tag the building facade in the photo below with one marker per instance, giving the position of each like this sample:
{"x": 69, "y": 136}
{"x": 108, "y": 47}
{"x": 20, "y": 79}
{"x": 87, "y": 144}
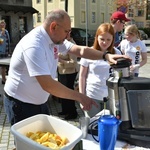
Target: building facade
{"x": 18, "y": 15}
{"x": 137, "y": 10}
{"x": 90, "y": 13}
{"x": 86, "y": 14}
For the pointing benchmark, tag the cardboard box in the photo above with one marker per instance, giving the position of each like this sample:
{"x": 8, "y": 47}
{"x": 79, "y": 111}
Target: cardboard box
{"x": 44, "y": 123}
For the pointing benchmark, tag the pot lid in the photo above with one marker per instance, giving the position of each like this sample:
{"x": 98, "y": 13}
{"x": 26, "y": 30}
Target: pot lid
{"x": 122, "y": 63}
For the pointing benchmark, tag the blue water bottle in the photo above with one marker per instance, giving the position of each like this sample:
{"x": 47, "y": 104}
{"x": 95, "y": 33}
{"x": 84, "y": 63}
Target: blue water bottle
{"x": 108, "y": 131}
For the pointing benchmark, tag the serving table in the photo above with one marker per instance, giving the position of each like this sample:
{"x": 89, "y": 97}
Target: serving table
{"x": 90, "y": 144}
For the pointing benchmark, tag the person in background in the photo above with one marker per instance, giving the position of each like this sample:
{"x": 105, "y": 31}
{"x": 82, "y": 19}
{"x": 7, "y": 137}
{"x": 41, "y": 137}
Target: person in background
{"x": 133, "y": 47}
{"x": 33, "y": 68}
{"x": 4, "y": 47}
{"x": 67, "y": 71}
{"x": 118, "y": 20}
{"x": 94, "y": 73}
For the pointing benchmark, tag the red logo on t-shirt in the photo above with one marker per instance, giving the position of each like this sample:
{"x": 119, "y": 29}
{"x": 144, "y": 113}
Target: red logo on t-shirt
{"x": 55, "y": 53}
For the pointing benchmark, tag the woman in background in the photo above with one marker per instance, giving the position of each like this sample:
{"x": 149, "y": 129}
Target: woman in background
{"x": 67, "y": 72}
{"x": 133, "y": 47}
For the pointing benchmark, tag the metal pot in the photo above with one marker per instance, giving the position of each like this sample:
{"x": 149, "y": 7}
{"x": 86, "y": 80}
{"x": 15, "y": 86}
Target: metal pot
{"x": 122, "y": 68}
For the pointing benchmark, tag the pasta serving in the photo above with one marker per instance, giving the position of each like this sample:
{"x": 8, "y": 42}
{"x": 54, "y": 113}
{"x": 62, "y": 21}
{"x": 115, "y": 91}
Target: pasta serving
{"x": 48, "y": 139}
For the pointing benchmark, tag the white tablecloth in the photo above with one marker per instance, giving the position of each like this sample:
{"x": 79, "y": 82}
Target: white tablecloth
{"x": 90, "y": 144}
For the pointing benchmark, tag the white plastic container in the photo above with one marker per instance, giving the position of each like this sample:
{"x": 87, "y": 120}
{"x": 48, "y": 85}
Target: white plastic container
{"x": 43, "y": 123}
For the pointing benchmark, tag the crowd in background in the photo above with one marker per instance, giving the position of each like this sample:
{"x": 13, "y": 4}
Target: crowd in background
{"x": 92, "y": 73}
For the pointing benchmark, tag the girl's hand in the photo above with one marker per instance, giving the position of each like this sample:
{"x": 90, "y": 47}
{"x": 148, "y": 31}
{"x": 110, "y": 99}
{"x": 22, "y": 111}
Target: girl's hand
{"x": 133, "y": 67}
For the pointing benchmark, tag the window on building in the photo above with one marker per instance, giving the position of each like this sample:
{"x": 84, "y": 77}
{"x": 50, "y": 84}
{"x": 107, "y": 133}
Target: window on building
{"x": 39, "y": 17}
{"x": 148, "y": 23}
{"x": 49, "y": 1}
{"x": 140, "y": 24}
{"x": 148, "y": 10}
{"x": 102, "y": 17}
{"x": 93, "y": 17}
{"x": 38, "y": 1}
{"x": 130, "y": 15}
{"x": 130, "y": 12}
{"x": 83, "y": 16}
{"x": 148, "y": 15}
{"x": 140, "y": 12}
{"x": 93, "y": 1}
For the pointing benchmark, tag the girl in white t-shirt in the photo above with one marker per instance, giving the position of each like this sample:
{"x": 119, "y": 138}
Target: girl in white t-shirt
{"x": 133, "y": 47}
{"x": 94, "y": 73}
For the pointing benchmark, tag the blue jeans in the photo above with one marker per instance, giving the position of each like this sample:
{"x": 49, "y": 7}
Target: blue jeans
{"x": 17, "y": 110}
{"x": 136, "y": 74}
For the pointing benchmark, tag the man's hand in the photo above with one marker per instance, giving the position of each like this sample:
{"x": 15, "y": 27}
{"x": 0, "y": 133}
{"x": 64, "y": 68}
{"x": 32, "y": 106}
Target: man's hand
{"x": 112, "y": 58}
{"x": 87, "y": 102}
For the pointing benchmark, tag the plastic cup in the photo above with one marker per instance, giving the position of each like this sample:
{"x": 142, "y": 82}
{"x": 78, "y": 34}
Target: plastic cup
{"x": 1, "y": 41}
{"x": 84, "y": 123}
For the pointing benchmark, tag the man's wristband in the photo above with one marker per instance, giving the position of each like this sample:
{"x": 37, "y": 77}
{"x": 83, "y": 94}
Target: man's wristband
{"x": 104, "y": 55}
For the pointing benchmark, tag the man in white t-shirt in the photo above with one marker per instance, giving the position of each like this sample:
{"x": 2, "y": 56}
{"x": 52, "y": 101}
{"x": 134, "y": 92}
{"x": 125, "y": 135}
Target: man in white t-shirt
{"x": 33, "y": 67}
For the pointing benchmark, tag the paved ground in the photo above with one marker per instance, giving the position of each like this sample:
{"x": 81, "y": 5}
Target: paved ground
{"x": 147, "y": 42}
{"x": 145, "y": 70}
{"x": 6, "y": 138}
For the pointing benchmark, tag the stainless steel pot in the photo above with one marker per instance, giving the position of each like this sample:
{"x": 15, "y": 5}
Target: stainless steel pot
{"x": 122, "y": 68}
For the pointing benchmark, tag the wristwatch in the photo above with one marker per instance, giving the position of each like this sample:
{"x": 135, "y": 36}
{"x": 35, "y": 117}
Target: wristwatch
{"x": 104, "y": 55}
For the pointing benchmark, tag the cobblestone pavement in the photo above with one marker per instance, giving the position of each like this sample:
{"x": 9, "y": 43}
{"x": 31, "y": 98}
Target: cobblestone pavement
{"x": 7, "y": 139}
{"x": 145, "y": 70}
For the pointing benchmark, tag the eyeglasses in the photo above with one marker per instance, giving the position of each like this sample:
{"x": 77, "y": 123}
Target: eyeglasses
{"x": 67, "y": 31}
{"x": 122, "y": 22}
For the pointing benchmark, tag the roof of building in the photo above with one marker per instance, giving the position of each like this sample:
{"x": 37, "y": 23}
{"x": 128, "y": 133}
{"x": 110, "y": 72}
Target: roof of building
{"x": 17, "y": 8}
